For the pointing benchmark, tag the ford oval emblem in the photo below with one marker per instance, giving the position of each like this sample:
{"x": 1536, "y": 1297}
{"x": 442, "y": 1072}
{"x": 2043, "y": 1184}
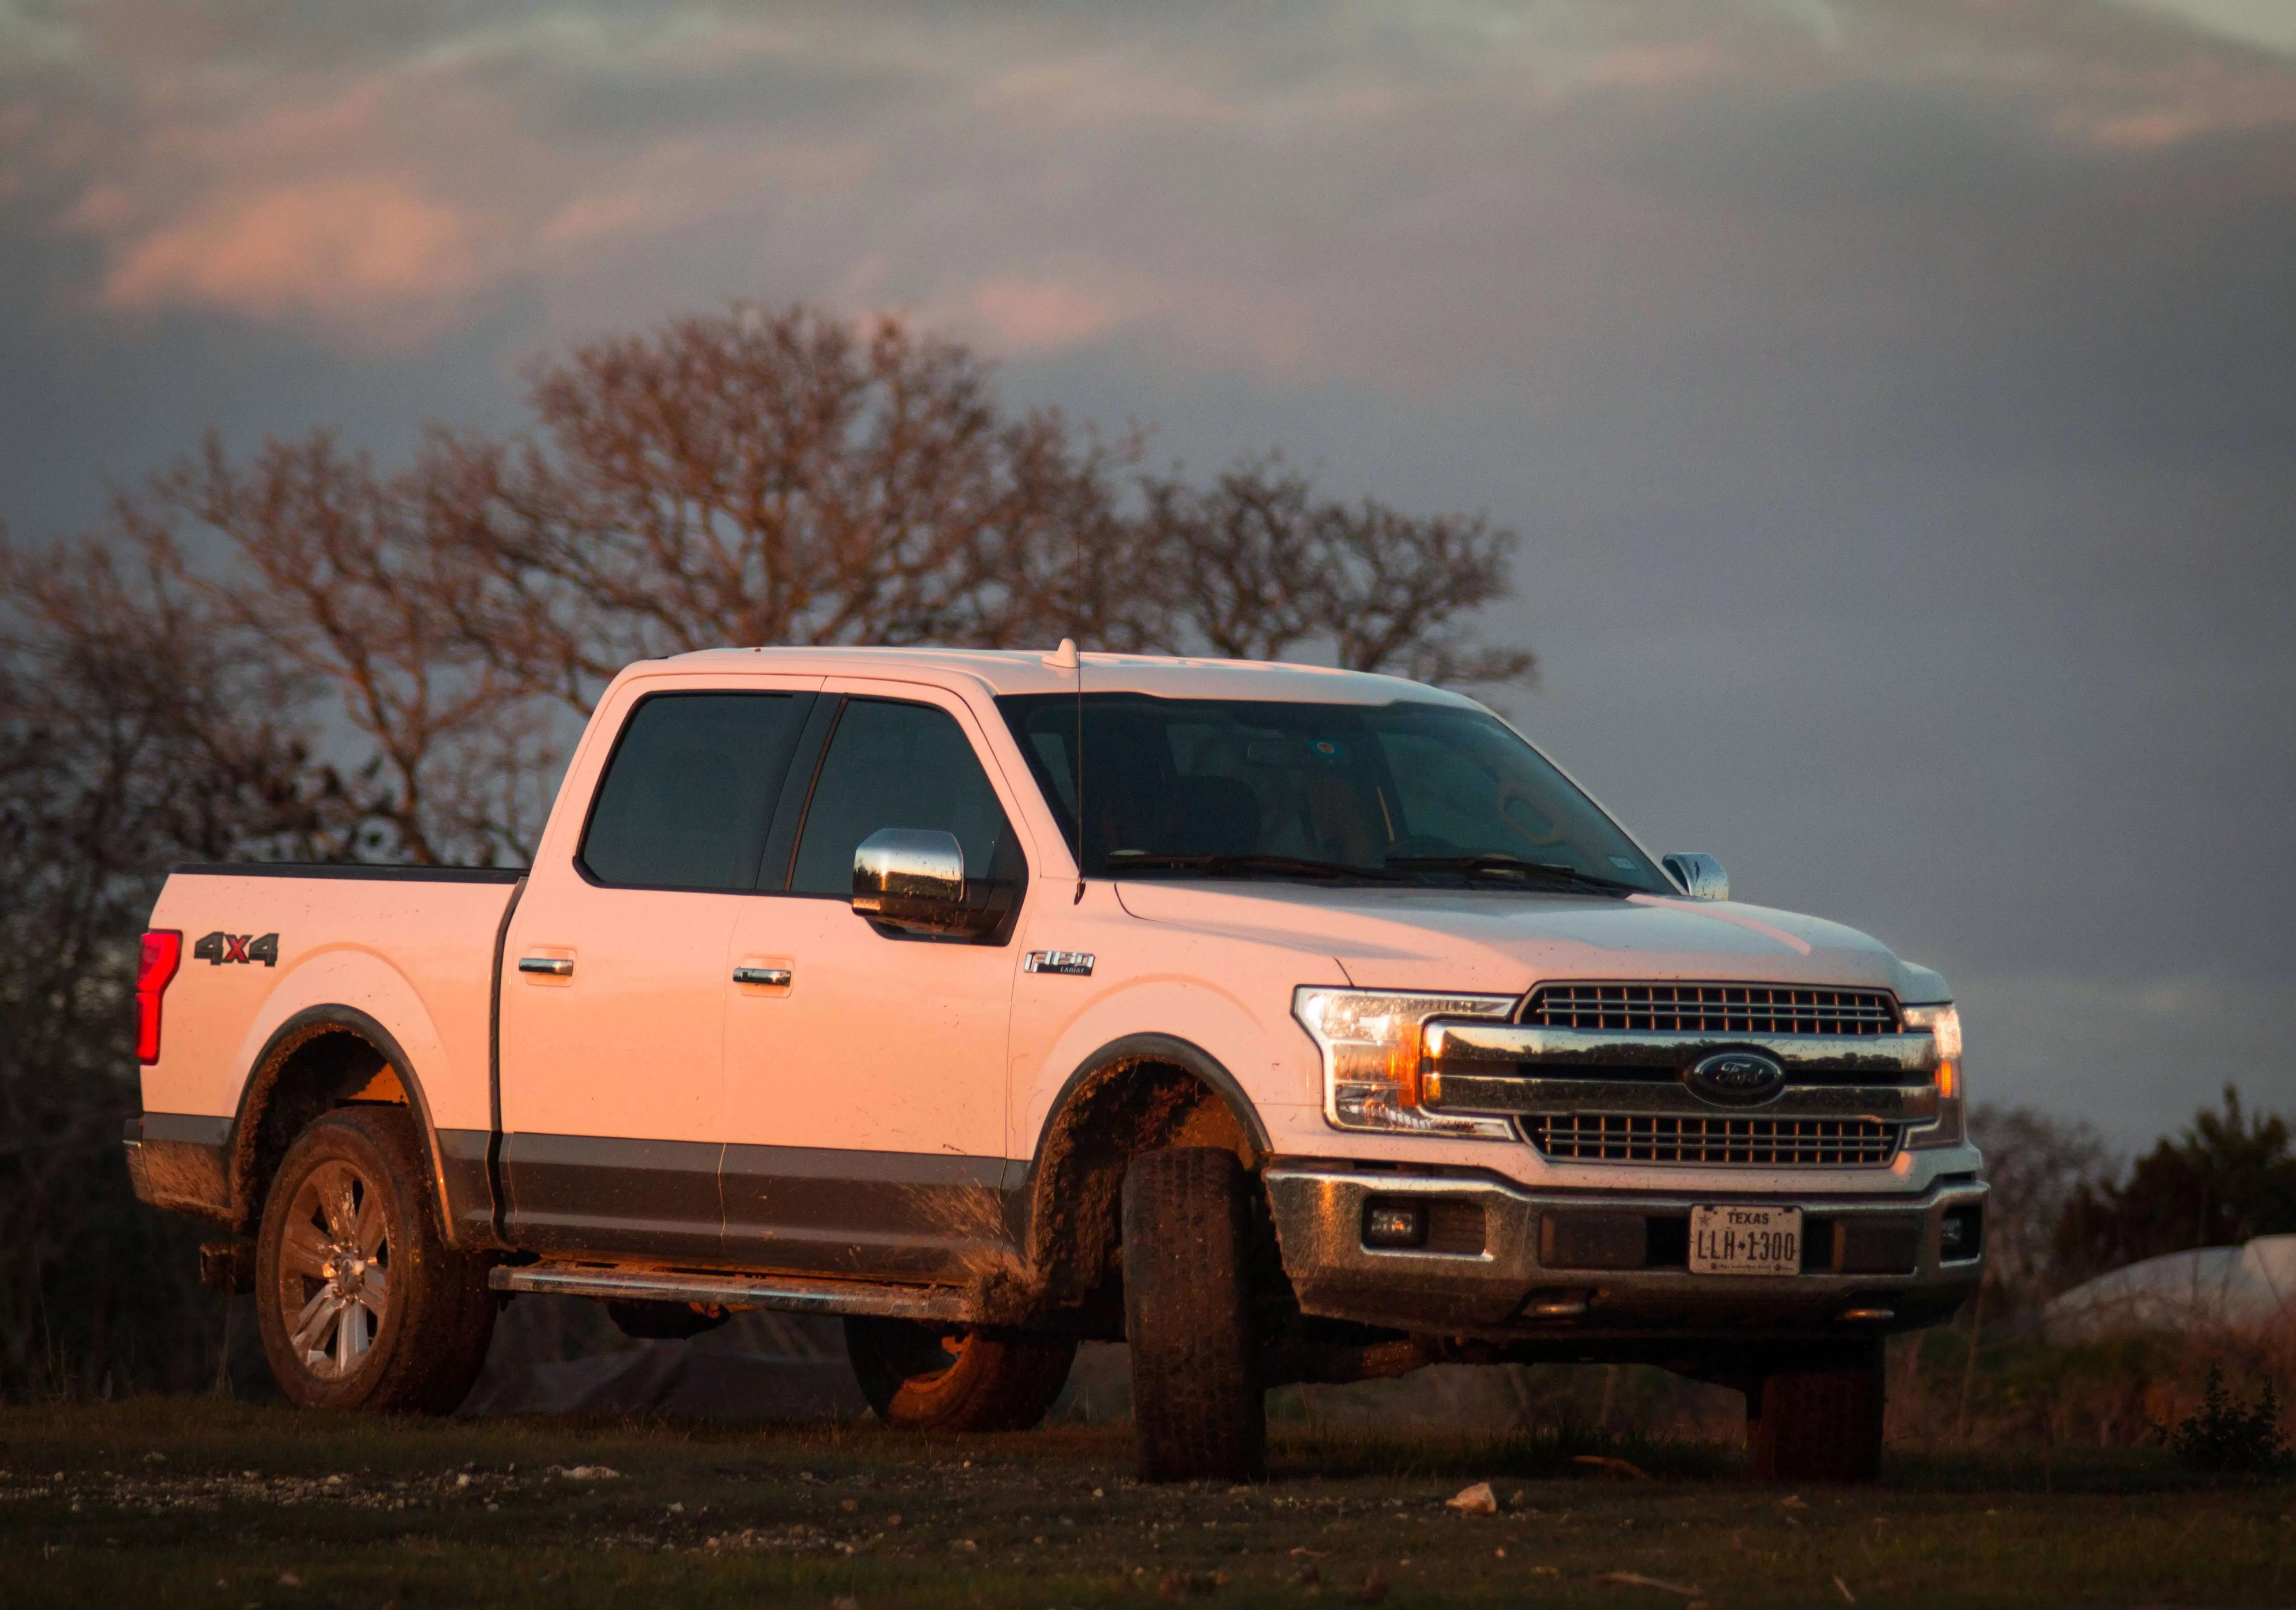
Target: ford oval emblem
{"x": 1736, "y": 1079}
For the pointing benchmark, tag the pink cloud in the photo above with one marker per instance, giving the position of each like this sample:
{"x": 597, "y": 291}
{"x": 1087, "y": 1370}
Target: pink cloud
{"x": 1653, "y": 66}
{"x": 1094, "y": 93}
{"x": 339, "y": 247}
{"x": 1030, "y": 316}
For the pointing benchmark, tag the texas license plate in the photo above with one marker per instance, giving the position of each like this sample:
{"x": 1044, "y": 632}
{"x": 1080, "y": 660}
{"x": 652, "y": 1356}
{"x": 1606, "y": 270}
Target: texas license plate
{"x": 1745, "y": 1241}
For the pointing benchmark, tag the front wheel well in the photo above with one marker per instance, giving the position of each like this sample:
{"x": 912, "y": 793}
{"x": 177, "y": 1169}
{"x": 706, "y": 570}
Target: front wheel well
{"x": 1135, "y": 1096}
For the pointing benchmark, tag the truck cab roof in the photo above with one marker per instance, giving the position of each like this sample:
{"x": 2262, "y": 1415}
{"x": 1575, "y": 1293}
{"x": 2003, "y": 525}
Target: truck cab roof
{"x": 1001, "y": 672}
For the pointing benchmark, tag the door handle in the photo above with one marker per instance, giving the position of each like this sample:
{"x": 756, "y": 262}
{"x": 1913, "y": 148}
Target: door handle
{"x": 776, "y": 978}
{"x": 548, "y": 966}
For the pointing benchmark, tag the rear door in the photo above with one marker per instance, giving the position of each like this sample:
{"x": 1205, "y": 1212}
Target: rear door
{"x": 865, "y": 1089}
{"x": 614, "y": 974}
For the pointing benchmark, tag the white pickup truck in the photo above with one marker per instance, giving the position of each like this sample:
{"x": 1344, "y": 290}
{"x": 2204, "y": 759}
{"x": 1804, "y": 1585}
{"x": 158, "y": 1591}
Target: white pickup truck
{"x": 1288, "y": 1023}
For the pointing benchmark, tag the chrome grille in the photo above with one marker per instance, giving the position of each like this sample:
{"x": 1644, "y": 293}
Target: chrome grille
{"x": 1730, "y": 1142}
{"x": 1712, "y": 1009}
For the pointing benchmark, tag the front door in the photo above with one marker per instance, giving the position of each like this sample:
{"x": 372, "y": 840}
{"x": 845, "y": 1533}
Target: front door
{"x": 613, "y": 990}
{"x": 865, "y": 1070}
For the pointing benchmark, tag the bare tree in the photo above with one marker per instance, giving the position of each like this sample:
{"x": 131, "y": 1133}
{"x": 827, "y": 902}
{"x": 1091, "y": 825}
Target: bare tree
{"x": 759, "y": 477}
{"x": 2038, "y": 1165}
{"x": 1266, "y": 567}
{"x": 365, "y": 585}
{"x": 136, "y": 729}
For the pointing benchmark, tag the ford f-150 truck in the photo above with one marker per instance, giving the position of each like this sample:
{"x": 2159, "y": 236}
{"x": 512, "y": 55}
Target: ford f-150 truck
{"x": 1290, "y": 1025}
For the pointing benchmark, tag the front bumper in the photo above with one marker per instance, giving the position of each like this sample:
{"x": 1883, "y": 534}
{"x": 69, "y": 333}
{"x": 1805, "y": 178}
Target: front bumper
{"x": 1507, "y": 1264}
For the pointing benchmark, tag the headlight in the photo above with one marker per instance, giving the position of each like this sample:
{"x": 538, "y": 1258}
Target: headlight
{"x": 1952, "y": 1125}
{"x": 1370, "y": 1040}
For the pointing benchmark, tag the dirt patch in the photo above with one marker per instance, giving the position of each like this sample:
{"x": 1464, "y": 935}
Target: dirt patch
{"x": 201, "y": 1501}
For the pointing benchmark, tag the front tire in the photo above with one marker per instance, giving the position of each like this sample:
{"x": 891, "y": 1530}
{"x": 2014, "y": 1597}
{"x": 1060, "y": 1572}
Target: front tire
{"x": 1818, "y": 1417}
{"x": 1198, "y": 1410}
{"x": 360, "y": 1302}
{"x": 927, "y": 1377}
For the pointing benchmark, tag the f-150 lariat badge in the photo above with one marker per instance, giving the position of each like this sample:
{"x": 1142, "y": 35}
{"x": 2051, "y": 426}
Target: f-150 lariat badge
{"x": 1077, "y": 963}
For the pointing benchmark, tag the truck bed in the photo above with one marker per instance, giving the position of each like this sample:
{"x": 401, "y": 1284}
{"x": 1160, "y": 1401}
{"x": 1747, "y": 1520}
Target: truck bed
{"x": 272, "y": 956}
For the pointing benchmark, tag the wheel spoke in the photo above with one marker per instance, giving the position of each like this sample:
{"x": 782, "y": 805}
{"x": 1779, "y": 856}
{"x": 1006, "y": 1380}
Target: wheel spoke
{"x": 364, "y": 1316}
{"x": 304, "y": 1250}
{"x": 368, "y": 1229}
{"x": 311, "y": 1325}
{"x": 376, "y": 1292}
{"x": 342, "y": 1207}
{"x": 351, "y": 1339}
{"x": 333, "y": 1185}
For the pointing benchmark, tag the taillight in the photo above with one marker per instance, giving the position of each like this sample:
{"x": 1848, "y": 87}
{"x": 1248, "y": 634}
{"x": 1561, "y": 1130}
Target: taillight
{"x": 163, "y": 952}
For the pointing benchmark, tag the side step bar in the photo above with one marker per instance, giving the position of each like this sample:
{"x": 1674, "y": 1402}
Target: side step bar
{"x": 791, "y": 1292}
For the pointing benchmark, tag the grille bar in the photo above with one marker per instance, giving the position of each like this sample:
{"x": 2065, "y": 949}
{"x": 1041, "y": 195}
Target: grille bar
{"x": 1729, "y": 1142}
{"x": 1712, "y": 1008}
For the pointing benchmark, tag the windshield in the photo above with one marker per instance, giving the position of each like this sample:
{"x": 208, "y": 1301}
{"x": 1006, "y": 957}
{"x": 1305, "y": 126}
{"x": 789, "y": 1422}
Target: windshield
{"x": 1422, "y": 793}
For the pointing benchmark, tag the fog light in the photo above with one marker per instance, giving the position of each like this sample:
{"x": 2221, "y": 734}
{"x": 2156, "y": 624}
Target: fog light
{"x": 1962, "y": 1235}
{"x": 1394, "y": 1224}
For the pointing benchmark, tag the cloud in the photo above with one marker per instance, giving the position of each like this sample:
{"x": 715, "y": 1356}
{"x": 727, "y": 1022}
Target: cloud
{"x": 1403, "y": 198}
{"x": 347, "y": 249}
{"x": 2266, "y": 24}
{"x": 1654, "y": 66}
{"x": 1028, "y": 316}
{"x": 1099, "y": 93}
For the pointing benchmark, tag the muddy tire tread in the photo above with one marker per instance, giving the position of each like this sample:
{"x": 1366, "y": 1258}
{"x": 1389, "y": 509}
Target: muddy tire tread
{"x": 1819, "y": 1418}
{"x": 1198, "y": 1410}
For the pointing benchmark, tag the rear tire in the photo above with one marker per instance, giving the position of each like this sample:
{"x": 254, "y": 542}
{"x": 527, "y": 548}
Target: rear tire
{"x": 929, "y": 1377}
{"x": 360, "y": 1302}
{"x": 1818, "y": 1417}
{"x": 1198, "y": 1409}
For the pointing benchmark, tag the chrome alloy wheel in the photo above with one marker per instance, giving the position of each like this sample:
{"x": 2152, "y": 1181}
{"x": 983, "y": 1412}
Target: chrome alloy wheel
{"x": 334, "y": 1270}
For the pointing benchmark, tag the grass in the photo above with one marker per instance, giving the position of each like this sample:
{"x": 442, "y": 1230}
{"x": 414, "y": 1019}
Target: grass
{"x": 206, "y": 1502}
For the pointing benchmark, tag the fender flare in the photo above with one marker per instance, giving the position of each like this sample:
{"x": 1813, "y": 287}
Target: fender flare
{"x": 1027, "y": 1217}
{"x": 263, "y": 1077}
{"x": 1165, "y": 1048}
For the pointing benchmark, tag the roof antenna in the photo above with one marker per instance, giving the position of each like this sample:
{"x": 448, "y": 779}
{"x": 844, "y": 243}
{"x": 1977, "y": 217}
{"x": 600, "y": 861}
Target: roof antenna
{"x": 1066, "y": 658}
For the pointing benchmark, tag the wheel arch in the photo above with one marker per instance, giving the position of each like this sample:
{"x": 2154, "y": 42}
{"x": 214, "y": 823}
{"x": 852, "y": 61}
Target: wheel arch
{"x": 321, "y": 1058}
{"x": 1132, "y": 1095}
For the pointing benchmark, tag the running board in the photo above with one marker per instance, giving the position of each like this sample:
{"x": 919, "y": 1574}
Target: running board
{"x": 789, "y": 1292}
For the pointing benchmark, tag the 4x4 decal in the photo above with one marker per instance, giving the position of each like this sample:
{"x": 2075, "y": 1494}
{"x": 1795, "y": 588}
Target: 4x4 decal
{"x": 218, "y": 947}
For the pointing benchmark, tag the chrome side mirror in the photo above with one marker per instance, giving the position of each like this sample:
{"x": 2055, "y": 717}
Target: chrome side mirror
{"x": 913, "y": 878}
{"x": 1701, "y": 877}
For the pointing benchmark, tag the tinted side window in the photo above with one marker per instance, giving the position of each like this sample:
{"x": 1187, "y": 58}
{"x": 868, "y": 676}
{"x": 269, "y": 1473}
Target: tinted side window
{"x": 893, "y": 765}
{"x": 689, "y": 793}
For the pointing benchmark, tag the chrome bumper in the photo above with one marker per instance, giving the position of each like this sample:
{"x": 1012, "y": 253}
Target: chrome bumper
{"x": 1504, "y": 1263}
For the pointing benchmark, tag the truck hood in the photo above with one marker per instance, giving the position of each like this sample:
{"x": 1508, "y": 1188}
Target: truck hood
{"x": 1501, "y": 941}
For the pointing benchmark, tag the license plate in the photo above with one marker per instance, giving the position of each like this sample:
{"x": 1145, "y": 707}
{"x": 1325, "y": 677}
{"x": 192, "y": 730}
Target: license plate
{"x": 1745, "y": 1241}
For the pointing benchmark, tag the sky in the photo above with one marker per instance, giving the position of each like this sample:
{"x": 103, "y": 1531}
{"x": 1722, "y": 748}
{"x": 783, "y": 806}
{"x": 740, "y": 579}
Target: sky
{"x": 1897, "y": 402}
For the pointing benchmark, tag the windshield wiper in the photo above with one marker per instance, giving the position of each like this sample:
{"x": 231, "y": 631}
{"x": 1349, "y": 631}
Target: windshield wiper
{"x": 1230, "y": 866}
{"x": 1513, "y": 867}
